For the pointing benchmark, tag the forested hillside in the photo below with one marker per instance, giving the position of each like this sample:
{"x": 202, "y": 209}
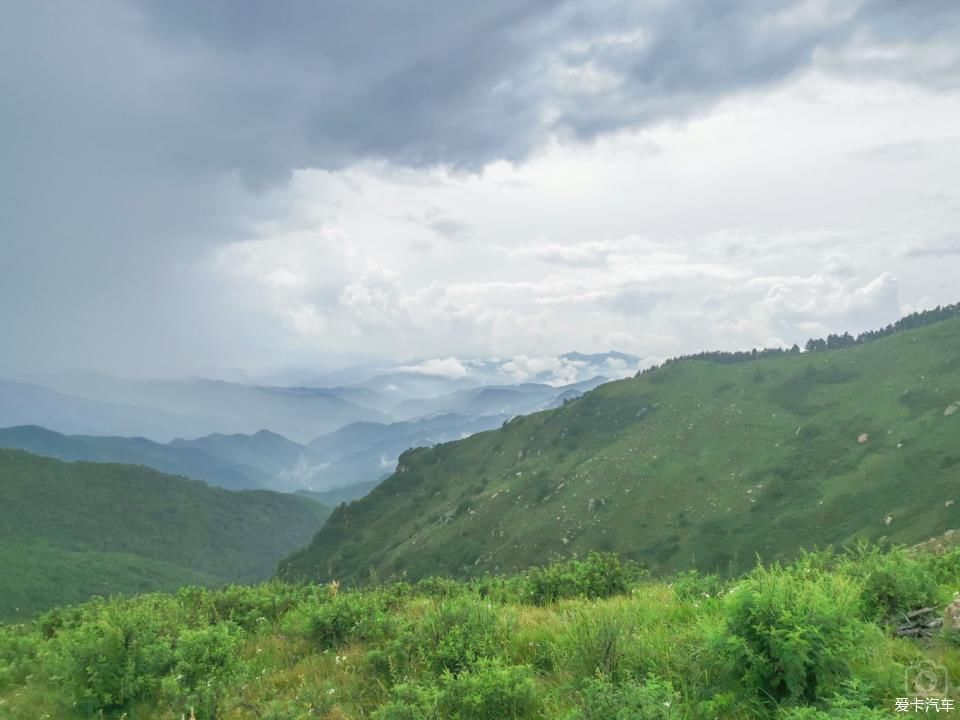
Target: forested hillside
{"x": 700, "y": 463}
{"x": 72, "y": 530}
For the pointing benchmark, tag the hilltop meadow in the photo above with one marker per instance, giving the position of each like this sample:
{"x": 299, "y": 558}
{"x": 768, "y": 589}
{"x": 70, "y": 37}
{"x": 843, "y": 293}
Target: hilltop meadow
{"x": 590, "y": 639}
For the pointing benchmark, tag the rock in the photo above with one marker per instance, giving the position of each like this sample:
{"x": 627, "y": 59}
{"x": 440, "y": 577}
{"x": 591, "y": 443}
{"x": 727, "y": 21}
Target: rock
{"x": 952, "y": 408}
{"x": 888, "y": 519}
{"x": 951, "y": 614}
{"x": 920, "y": 623}
{"x": 864, "y": 437}
{"x": 948, "y": 503}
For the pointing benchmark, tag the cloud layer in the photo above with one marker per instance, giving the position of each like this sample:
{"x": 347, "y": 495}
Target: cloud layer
{"x": 189, "y": 186}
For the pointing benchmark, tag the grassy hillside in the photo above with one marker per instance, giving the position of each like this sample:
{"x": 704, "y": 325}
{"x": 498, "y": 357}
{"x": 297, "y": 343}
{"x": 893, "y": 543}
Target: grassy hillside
{"x": 586, "y": 640}
{"x": 697, "y": 463}
{"x": 70, "y": 530}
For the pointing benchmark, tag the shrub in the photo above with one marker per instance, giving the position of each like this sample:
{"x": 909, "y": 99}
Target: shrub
{"x": 18, "y": 655}
{"x": 409, "y": 702}
{"x": 438, "y": 587}
{"x": 250, "y": 606}
{"x": 109, "y": 662}
{"x": 599, "y": 575}
{"x": 457, "y": 633}
{"x": 205, "y": 661}
{"x": 593, "y": 644}
{"x": 945, "y": 567}
{"x": 692, "y": 585}
{"x": 602, "y": 699}
{"x": 794, "y": 632}
{"x": 489, "y": 691}
{"x": 893, "y": 582}
{"x": 351, "y": 616}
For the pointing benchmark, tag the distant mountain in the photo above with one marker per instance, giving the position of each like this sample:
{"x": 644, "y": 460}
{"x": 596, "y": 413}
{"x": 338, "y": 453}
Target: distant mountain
{"x": 409, "y": 384}
{"x": 28, "y": 404}
{"x": 269, "y": 453}
{"x": 332, "y": 498}
{"x": 506, "y": 400}
{"x": 362, "y": 453}
{"x": 703, "y": 462}
{"x": 214, "y": 406}
{"x": 190, "y": 462}
{"x": 72, "y": 530}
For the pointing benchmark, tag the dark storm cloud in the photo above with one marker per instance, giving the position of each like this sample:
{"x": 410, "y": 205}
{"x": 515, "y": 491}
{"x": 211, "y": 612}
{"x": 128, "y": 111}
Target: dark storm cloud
{"x": 137, "y": 134}
{"x": 322, "y": 84}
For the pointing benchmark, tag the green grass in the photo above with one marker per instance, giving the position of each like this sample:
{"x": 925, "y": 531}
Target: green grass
{"x": 72, "y": 530}
{"x": 586, "y": 640}
{"x": 695, "y": 464}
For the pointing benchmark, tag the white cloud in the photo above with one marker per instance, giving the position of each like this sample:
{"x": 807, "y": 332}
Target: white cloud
{"x": 560, "y": 370}
{"x": 450, "y": 367}
{"x": 761, "y": 222}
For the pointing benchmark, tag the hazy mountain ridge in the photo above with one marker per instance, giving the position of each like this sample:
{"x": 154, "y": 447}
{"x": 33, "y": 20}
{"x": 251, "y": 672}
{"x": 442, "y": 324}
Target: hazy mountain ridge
{"x": 370, "y": 427}
{"x": 191, "y": 462}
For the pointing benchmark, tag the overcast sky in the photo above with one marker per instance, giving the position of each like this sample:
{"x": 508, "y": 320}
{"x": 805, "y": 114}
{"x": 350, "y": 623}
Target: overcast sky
{"x": 189, "y": 186}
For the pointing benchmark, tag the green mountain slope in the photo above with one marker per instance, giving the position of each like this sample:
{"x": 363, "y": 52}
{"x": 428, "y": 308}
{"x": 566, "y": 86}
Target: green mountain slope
{"x": 70, "y": 530}
{"x": 697, "y": 463}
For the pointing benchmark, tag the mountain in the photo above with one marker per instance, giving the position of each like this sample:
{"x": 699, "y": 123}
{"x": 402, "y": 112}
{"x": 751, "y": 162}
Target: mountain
{"x": 29, "y": 404}
{"x": 72, "y": 530}
{"x": 353, "y": 457}
{"x": 702, "y": 462}
{"x": 267, "y": 452}
{"x": 190, "y": 460}
{"x": 334, "y": 497}
{"x": 508, "y": 400}
{"x": 200, "y": 407}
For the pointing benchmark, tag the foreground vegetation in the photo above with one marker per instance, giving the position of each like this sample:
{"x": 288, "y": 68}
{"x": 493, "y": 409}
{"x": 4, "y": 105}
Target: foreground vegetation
{"x": 700, "y": 463}
{"x": 72, "y": 530}
{"x": 589, "y": 639}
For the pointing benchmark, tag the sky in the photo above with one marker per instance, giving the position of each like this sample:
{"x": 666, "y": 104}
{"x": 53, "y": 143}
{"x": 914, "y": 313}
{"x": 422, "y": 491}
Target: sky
{"x": 194, "y": 187}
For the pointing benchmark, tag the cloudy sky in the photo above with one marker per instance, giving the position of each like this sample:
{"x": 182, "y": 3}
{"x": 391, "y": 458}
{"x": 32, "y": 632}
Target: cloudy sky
{"x": 190, "y": 186}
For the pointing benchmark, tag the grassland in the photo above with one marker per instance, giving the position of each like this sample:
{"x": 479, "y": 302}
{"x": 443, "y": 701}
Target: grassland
{"x": 72, "y": 530}
{"x": 695, "y": 464}
{"x": 584, "y": 640}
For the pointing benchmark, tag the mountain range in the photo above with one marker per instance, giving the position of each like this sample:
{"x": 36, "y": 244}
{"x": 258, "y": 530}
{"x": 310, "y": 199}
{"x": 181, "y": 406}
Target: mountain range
{"x": 320, "y": 439}
{"x": 705, "y": 462}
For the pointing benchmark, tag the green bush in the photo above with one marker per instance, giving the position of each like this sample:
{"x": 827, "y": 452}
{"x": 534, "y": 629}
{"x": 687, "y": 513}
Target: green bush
{"x": 488, "y": 691}
{"x": 893, "y": 582}
{"x": 250, "y": 606}
{"x": 945, "y": 567}
{"x": 409, "y": 702}
{"x": 18, "y": 655}
{"x": 599, "y": 575}
{"x": 692, "y": 585}
{"x": 795, "y": 632}
{"x": 351, "y": 616}
{"x": 206, "y": 660}
{"x": 603, "y": 699}
{"x": 109, "y": 662}
{"x": 457, "y": 633}
{"x": 593, "y": 643}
